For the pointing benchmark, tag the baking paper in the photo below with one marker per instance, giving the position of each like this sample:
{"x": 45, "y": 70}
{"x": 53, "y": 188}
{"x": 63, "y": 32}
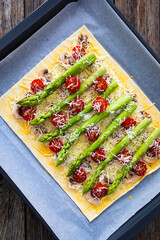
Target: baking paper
{"x": 46, "y": 196}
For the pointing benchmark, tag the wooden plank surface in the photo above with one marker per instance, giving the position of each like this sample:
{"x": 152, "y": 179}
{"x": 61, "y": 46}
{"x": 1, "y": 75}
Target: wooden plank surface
{"x": 144, "y": 15}
{"x": 12, "y": 213}
{"x": 17, "y": 222}
{"x": 11, "y": 13}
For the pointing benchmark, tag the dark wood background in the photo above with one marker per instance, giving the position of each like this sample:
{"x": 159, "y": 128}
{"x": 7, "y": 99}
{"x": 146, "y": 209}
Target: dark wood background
{"x": 17, "y": 222}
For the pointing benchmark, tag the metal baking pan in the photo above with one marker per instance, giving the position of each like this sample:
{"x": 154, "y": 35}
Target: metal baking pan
{"x": 19, "y": 35}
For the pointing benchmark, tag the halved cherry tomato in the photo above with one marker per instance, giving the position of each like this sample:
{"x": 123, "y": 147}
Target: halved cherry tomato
{"x": 92, "y": 134}
{"x": 139, "y": 168}
{"x": 55, "y": 145}
{"x": 129, "y": 122}
{"x": 124, "y": 157}
{"x": 77, "y": 105}
{"x": 78, "y": 52}
{"x": 98, "y": 156}
{"x": 100, "y": 85}
{"x": 28, "y": 113}
{"x": 37, "y": 85}
{"x": 79, "y": 175}
{"x": 73, "y": 84}
{"x": 100, "y": 190}
{"x": 155, "y": 148}
{"x": 58, "y": 120}
{"x": 99, "y": 104}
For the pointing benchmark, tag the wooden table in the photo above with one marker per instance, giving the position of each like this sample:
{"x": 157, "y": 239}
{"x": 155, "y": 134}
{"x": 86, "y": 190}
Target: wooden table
{"x": 17, "y": 222}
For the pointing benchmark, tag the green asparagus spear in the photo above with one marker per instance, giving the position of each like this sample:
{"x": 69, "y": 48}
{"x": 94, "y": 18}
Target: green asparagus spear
{"x": 78, "y": 117}
{"x": 84, "y": 62}
{"x": 90, "y": 122}
{"x": 112, "y": 127}
{"x": 122, "y": 144}
{"x": 135, "y": 159}
{"x": 84, "y": 86}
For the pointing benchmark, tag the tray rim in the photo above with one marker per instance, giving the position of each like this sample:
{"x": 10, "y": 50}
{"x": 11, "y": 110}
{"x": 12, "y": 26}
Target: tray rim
{"x": 153, "y": 207}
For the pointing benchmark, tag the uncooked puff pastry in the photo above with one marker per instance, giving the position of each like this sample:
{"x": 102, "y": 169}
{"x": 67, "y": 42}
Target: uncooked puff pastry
{"x": 41, "y": 151}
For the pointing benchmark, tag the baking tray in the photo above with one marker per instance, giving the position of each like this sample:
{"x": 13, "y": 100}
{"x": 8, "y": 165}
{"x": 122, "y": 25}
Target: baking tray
{"x": 21, "y": 33}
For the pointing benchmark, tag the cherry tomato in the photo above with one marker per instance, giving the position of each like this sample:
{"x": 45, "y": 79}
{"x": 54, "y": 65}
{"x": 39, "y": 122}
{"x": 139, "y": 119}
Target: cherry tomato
{"x": 79, "y": 175}
{"x": 98, "y": 156}
{"x": 100, "y": 190}
{"x": 100, "y": 85}
{"x": 55, "y": 145}
{"x": 58, "y": 120}
{"x": 78, "y": 52}
{"x": 77, "y": 105}
{"x": 99, "y": 104}
{"x": 92, "y": 134}
{"x": 124, "y": 157}
{"x": 155, "y": 148}
{"x": 37, "y": 85}
{"x": 139, "y": 168}
{"x": 129, "y": 122}
{"x": 73, "y": 84}
{"x": 28, "y": 113}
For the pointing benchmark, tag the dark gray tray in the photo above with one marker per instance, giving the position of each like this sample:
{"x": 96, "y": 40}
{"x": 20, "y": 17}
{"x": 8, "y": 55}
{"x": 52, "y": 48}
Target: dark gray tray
{"x": 34, "y": 22}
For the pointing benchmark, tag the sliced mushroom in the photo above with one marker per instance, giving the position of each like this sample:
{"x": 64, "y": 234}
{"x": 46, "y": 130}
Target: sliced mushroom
{"x": 130, "y": 177}
{"x": 107, "y": 78}
{"x": 44, "y": 73}
{"x": 39, "y": 130}
{"x": 86, "y": 166}
{"x": 66, "y": 60}
{"x": 67, "y": 115}
{"x": 145, "y": 114}
{"x": 50, "y": 105}
{"x": 114, "y": 138}
{"x": 26, "y": 94}
{"x": 91, "y": 198}
{"x": 149, "y": 158}
{"x": 17, "y": 110}
{"x": 133, "y": 97}
{"x": 62, "y": 92}
{"x": 73, "y": 184}
{"x": 104, "y": 180}
{"x": 110, "y": 100}
{"x": 83, "y": 40}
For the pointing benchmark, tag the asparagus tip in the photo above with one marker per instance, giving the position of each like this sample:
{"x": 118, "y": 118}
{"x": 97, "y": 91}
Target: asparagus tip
{"x": 84, "y": 191}
{"x": 58, "y": 163}
{"x": 32, "y": 122}
{"x": 41, "y": 139}
{"x": 68, "y": 174}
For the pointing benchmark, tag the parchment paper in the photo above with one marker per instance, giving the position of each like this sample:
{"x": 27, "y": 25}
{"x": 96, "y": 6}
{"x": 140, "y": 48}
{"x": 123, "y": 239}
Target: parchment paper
{"x": 56, "y": 208}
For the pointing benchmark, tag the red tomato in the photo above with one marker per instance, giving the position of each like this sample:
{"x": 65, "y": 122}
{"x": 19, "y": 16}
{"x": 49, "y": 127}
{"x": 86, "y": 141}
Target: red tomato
{"x": 79, "y": 175}
{"x": 58, "y": 120}
{"x": 28, "y": 113}
{"x": 73, "y": 84}
{"x": 78, "y": 52}
{"x": 55, "y": 145}
{"x": 124, "y": 157}
{"x": 155, "y": 148}
{"x": 98, "y": 156}
{"x": 129, "y": 122}
{"x": 92, "y": 134}
{"x": 99, "y": 104}
{"x": 100, "y": 85}
{"x": 139, "y": 168}
{"x": 37, "y": 85}
{"x": 100, "y": 190}
{"x": 77, "y": 105}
